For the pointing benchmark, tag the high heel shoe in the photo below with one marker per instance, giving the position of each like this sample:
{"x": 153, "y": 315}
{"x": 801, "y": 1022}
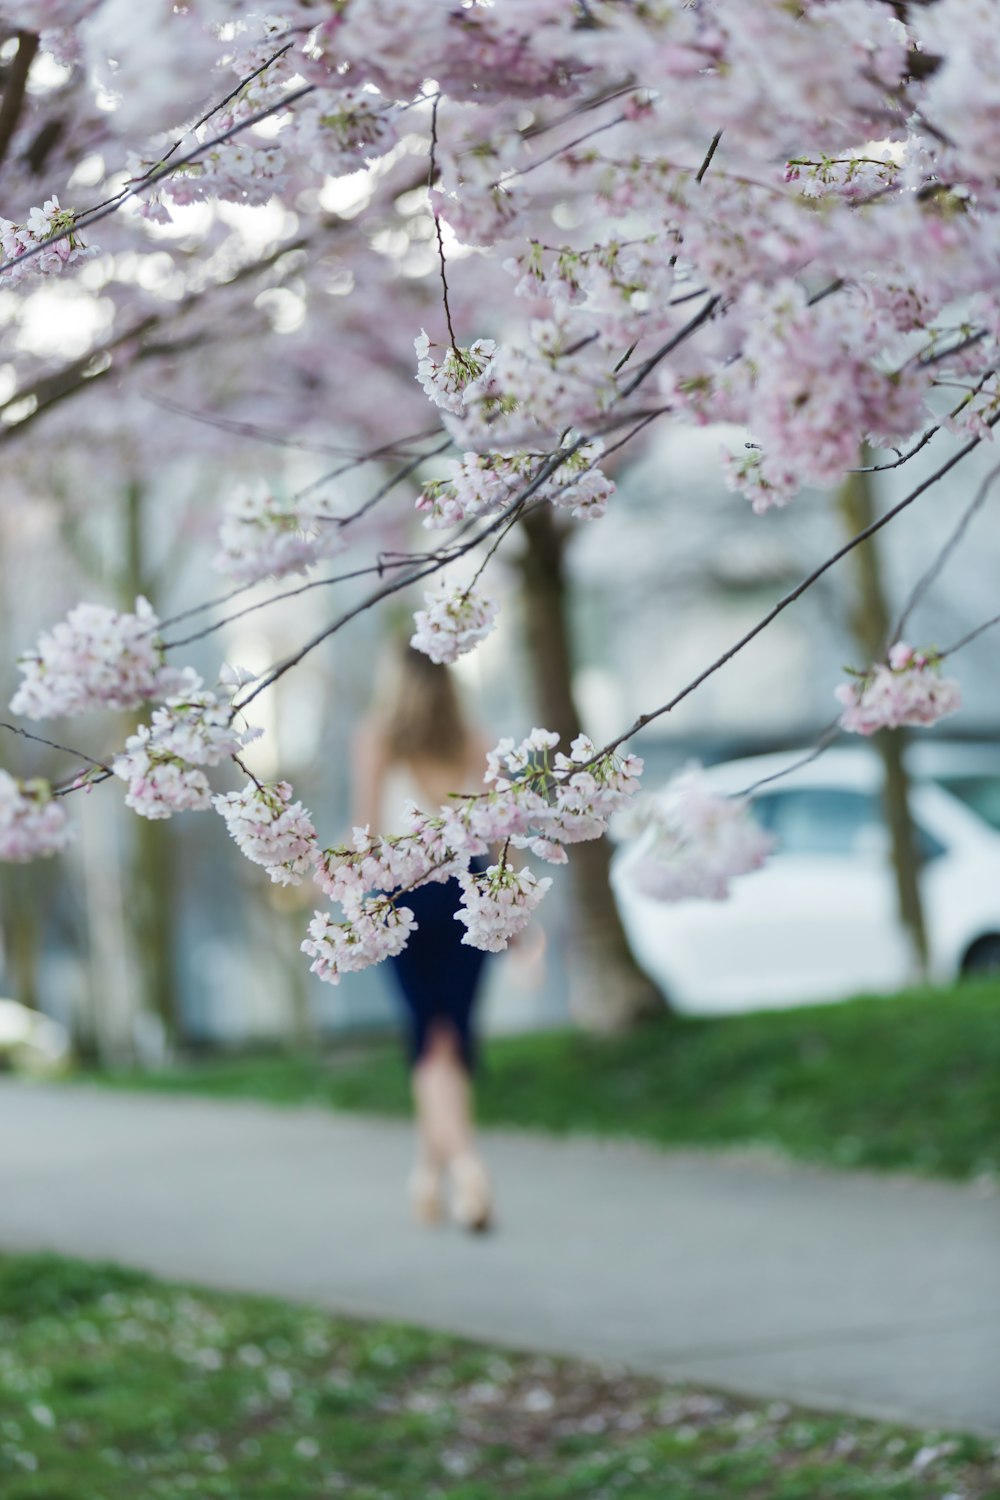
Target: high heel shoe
{"x": 471, "y": 1194}
{"x": 426, "y": 1199}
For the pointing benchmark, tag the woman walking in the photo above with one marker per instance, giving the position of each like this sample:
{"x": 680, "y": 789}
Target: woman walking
{"x": 417, "y": 746}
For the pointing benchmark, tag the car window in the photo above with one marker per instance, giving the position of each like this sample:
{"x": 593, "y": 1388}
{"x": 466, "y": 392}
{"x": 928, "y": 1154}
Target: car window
{"x": 820, "y": 820}
{"x": 980, "y": 793}
{"x": 828, "y": 820}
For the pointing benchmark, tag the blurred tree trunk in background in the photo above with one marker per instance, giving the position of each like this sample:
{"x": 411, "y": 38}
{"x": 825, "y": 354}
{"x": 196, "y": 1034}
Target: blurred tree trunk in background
{"x": 22, "y": 906}
{"x": 871, "y": 624}
{"x": 151, "y": 910}
{"x": 105, "y": 1026}
{"x": 608, "y": 990}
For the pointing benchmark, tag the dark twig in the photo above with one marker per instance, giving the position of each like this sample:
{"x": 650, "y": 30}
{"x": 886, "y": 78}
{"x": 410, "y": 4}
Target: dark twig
{"x": 924, "y": 439}
{"x": 684, "y": 333}
{"x": 233, "y": 94}
{"x": 793, "y": 594}
{"x": 250, "y": 609}
{"x": 425, "y": 568}
{"x": 442, "y": 264}
{"x": 133, "y": 190}
{"x": 971, "y": 636}
{"x": 39, "y": 739}
{"x": 247, "y": 772}
{"x": 831, "y": 733}
{"x": 928, "y": 578}
{"x": 248, "y": 429}
{"x": 713, "y": 147}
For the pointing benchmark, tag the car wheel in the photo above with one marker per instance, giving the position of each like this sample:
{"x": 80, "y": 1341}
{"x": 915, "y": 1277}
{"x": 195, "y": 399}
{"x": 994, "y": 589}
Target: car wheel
{"x": 983, "y": 957}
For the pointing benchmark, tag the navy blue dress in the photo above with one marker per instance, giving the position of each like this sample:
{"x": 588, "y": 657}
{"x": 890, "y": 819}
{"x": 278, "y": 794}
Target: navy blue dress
{"x": 437, "y": 974}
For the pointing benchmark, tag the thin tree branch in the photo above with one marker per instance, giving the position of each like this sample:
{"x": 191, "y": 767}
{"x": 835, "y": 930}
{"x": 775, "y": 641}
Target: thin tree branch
{"x": 135, "y": 189}
{"x": 928, "y": 578}
{"x": 387, "y": 450}
{"x": 827, "y": 737}
{"x": 234, "y": 94}
{"x": 285, "y": 440}
{"x": 793, "y": 594}
{"x": 39, "y": 739}
{"x": 442, "y": 263}
{"x": 924, "y": 439}
{"x": 972, "y": 635}
{"x": 423, "y": 570}
{"x": 250, "y": 609}
{"x": 684, "y": 333}
{"x": 713, "y": 147}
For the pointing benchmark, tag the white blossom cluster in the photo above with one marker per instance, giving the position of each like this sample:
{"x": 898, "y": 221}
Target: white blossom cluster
{"x": 454, "y": 622}
{"x": 96, "y": 658}
{"x": 485, "y": 483}
{"x": 695, "y": 841}
{"x": 458, "y": 375}
{"x": 162, "y": 760}
{"x": 378, "y": 929}
{"x": 265, "y": 536}
{"x": 41, "y": 224}
{"x": 32, "y": 824}
{"x": 497, "y": 905}
{"x": 907, "y": 689}
{"x": 337, "y": 133}
{"x": 536, "y": 800}
{"x": 271, "y": 830}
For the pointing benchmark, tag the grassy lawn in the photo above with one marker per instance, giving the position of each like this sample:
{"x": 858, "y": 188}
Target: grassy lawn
{"x": 117, "y": 1387}
{"x": 908, "y": 1083}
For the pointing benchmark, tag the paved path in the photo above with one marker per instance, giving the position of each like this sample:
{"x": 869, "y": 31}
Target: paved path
{"x": 880, "y": 1296}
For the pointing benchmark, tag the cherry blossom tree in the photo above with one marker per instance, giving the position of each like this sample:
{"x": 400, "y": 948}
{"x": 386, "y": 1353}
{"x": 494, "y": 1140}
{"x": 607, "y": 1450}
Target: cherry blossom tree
{"x": 475, "y": 252}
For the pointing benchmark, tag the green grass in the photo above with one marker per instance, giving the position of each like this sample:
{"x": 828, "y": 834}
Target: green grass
{"x": 908, "y": 1083}
{"x": 117, "y": 1387}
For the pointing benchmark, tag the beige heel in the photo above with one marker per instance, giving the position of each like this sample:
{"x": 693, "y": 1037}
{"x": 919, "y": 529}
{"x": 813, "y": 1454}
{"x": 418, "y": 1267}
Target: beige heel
{"x": 426, "y": 1200}
{"x": 471, "y": 1194}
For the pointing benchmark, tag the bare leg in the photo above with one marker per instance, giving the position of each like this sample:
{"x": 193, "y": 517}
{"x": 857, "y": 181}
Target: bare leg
{"x": 443, "y": 1097}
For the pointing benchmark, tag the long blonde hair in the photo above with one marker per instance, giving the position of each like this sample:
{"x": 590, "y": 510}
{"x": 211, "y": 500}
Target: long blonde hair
{"x": 418, "y": 711}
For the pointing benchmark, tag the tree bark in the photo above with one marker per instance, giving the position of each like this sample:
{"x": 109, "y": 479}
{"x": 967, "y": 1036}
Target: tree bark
{"x": 15, "y": 82}
{"x": 609, "y": 992}
{"x": 871, "y": 624}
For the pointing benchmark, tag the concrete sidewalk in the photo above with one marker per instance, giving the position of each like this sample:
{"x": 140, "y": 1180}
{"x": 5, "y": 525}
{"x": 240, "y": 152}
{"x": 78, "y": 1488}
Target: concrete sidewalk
{"x": 874, "y": 1295}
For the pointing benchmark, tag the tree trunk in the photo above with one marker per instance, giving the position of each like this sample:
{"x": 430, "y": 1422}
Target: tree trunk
{"x": 608, "y": 990}
{"x": 871, "y": 625}
{"x": 22, "y": 903}
{"x": 152, "y": 906}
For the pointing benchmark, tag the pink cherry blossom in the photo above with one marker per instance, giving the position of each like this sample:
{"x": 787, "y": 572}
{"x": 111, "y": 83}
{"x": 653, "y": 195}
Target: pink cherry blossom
{"x": 265, "y": 536}
{"x": 271, "y": 830}
{"x": 40, "y": 225}
{"x": 907, "y": 689}
{"x": 377, "y": 930}
{"x": 537, "y": 798}
{"x": 32, "y": 824}
{"x": 486, "y": 483}
{"x": 695, "y": 841}
{"x": 783, "y": 217}
{"x": 454, "y": 623}
{"x": 459, "y": 371}
{"x": 497, "y": 905}
{"x": 96, "y": 658}
{"x": 161, "y": 760}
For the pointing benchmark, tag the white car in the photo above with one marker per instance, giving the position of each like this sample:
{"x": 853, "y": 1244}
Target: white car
{"x": 819, "y": 921}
